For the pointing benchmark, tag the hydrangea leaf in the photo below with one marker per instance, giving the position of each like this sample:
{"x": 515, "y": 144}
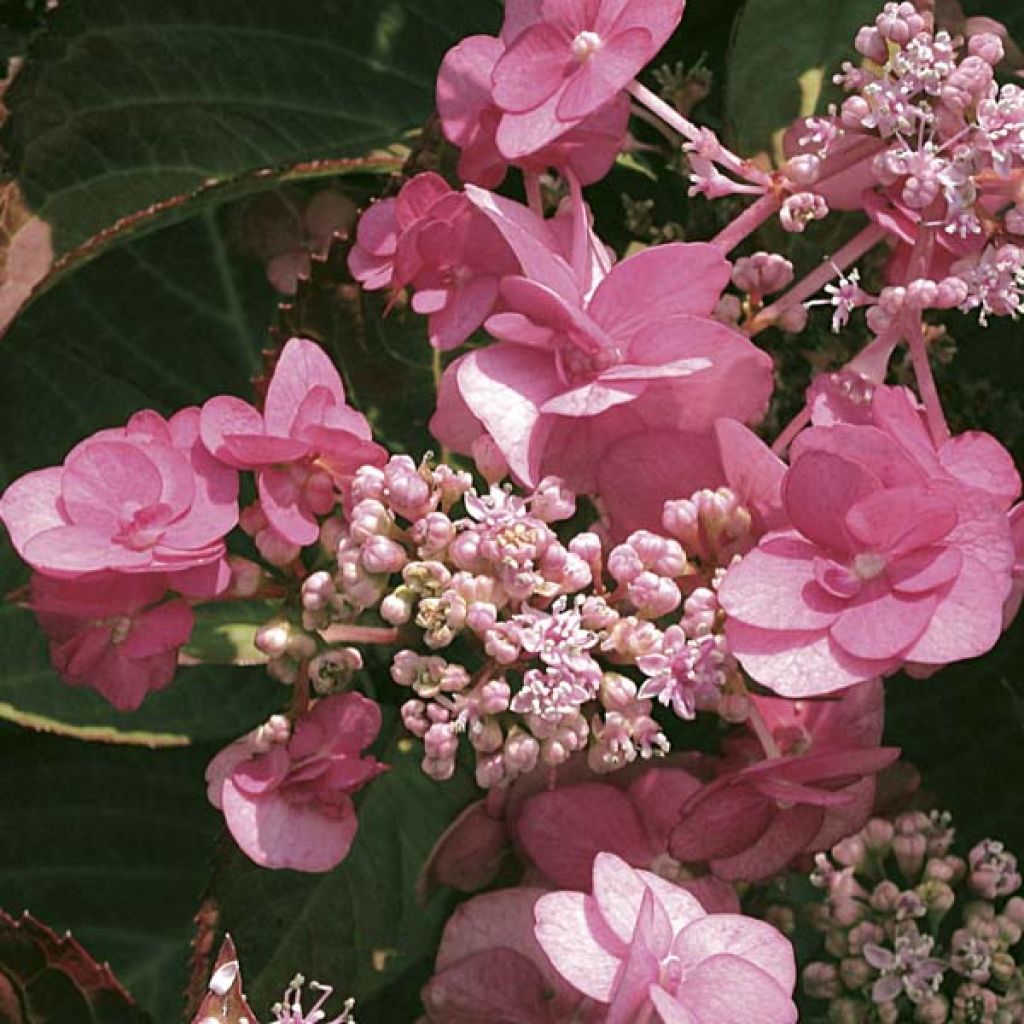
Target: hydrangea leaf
{"x": 781, "y": 64}
{"x": 358, "y": 927}
{"x": 118, "y": 839}
{"x": 224, "y": 632}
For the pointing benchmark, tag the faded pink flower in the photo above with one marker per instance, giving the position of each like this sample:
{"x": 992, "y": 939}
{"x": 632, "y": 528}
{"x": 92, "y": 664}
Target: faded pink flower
{"x": 897, "y": 553}
{"x": 568, "y": 58}
{"x": 617, "y": 395}
{"x": 286, "y": 791}
{"x": 305, "y": 444}
{"x": 470, "y": 119}
{"x": 118, "y": 634}
{"x": 372, "y": 258}
{"x": 491, "y": 968}
{"x": 145, "y": 497}
{"x": 647, "y": 949}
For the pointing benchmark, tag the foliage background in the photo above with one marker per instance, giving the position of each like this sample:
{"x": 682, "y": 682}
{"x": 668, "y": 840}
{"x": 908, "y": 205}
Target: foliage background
{"x": 137, "y": 132}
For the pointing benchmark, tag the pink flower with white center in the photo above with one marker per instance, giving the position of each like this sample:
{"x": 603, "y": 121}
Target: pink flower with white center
{"x": 568, "y": 58}
{"x": 118, "y": 634}
{"x": 687, "y": 673}
{"x": 490, "y": 968}
{"x": 372, "y": 258}
{"x": 286, "y": 790}
{"x": 647, "y": 949}
{"x": 470, "y": 119}
{"x": 305, "y": 444}
{"x": 146, "y": 497}
{"x": 898, "y": 553}
{"x": 616, "y": 396}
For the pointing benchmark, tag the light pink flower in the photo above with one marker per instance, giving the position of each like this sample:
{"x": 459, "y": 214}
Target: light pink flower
{"x": 372, "y": 258}
{"x": 140, "y": 498}
{"x": 491, "y": 968}
{"x": 118, "y": 634}
{"x": 616, "y": 395}
{"x": 898, "y": 553}
{"x": 568, "y": 58}
{"x": 286, "y": 793}
{"x": 306, "y": 442}
{"x": 470, "y": 119}
{"x": 648, "y": 950}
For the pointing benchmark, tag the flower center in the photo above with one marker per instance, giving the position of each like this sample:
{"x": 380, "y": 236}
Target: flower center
{"x": 868, "y": 565}
{"x": 585, "y": 45}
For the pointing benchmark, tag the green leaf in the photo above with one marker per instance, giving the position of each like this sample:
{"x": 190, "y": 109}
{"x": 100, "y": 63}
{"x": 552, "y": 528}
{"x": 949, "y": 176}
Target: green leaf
{"x": 781, "y": 64}
{"x": 224, "y": 632}
{"x": 132, "y": 105}
{"x": 358, "y": 927}
{"x": 109, "y": 843}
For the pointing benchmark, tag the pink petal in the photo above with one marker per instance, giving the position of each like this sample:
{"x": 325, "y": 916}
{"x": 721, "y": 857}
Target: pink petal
{"x": 164, "y": 628}
{"x": 679, "y": 902}
{"x": 519, "y": 16}
{"x": 303, "y": 365}
{"x": 979, "y": 460}
{"x": 532, "y": 68}
{"x": 924, "y": 570}
{"x": 282, "y": 503}
{"x": 564, "y": 929}
{"x": 641, "y": 967}
{"x": 657, "y": 283}
{"x": 660, "y": 18}
{"x": 753, "y": 471}
{"x": 592, "y": 399}
{"x": 102, "y": 477}
{"x": 721, "y": 823}
{"x": 658, "y": 795}
{"x": 254, "y": 451}
{"x": 754, "y": 941}
{"x": 723, "y": 989}
{"x": 788, "y": 834}
{"x": 563, "y": 829}
{"x": 223, "y": 416}
{"x": 900, "y": 519}
{"x": 467, "y": 308}
{"x": 31, "y": 506}
{"x": 464, "y": 86}
{"x": 521, "y": 135}
{"x": 867, "y": 447}
{"x": 881, "y": 624}
{"x": 278, "y": 834}
{"x": 774, "y": 587}
{"x": 78, "y": 549}
{"x": 605, "y": 74}
{"x": 468, "y": 854}
{"x": 670, "y": 1011}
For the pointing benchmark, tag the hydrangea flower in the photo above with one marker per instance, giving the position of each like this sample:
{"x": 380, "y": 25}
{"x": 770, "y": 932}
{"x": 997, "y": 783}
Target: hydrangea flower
{"x": 286, "y": 790}
{"x": 145, "y": 497}
{"x": 306, "y": 442}
{"x": 898, "y": 553}
{"x": 637, "y": 942}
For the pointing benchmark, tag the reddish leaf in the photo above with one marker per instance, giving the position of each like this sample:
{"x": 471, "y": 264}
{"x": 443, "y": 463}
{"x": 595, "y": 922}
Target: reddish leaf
{"x": 224, "y": 1002}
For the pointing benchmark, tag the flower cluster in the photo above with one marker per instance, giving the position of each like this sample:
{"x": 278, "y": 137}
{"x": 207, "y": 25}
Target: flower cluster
{"x": 914, "y": 931}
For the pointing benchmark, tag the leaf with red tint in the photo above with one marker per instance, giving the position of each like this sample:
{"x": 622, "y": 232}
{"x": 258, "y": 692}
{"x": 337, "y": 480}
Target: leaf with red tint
{"x": 224, "y": 1002}
{"x": 49, "y": 979}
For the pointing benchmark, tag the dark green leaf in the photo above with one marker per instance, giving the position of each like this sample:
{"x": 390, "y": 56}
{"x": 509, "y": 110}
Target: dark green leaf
{"x": 225, "y": 630}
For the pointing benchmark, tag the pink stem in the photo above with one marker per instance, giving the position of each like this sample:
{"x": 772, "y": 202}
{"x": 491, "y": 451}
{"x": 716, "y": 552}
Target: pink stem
{"x": 795, "y": 425}
{"x": 865, "y": 239}
{"x": 729, "y": 160}
{"x": 747, "y": 222}
{"x": 580, "y": 230}
{"x": 533, "y": 193}
{"x": 762, "y": 732}
{"x": 347, "y": 634}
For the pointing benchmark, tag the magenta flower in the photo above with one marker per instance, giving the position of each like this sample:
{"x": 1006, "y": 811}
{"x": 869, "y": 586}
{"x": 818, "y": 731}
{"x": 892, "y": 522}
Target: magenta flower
{"x": 568, "y": 58}
{"x": 115, "y": 633}
{"x": 491, "y": 968}
{"x": 145, "y": 497}
{"x": 647, "y": 949}
{"x": 470, "y": 119}
{"x": 372, "y": 258}
{"x": 898, "y": 553}
{"x": 306, "y": 442}
{"x": 286, "y": 792}
{"x": 617, "y": 396}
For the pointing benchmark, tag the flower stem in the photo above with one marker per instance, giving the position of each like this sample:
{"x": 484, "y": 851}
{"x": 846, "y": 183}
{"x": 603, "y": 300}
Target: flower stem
{"x": 795, "y": 425}
{"x": 343, "y": 633}
{"x": 845, "y": 256}
{"x": 747, "y": 222}
{"x": 533, "y": 193}
{"x": 762, "y": 732}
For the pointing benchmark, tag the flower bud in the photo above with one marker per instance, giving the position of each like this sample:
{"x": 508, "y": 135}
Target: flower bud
{"x": 252, "y": 519}
{"x": 855, "y": 972}
{"x": 382, "y": 556}
{"x": 821, "y": 980}
{"x": 246, "y": 577}
{"x": 489, "y": 459}
{"x": 272, "y": 639}
{"x": 792, "y": 320}
{"x": 275, "y": 548}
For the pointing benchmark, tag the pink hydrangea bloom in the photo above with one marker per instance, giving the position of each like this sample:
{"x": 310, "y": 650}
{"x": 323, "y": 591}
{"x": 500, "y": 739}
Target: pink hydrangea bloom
{"x": 306, "y": 442}
{"x": 897, "y": 553}
{"x": 140, "y": 498}
{"x": 490, "y": 967}
{"x": 640, "y": 944}
{"x": 566, "y": 59}
{"x": 117, "y": 633}
{"x": 616, "y": 395}
{"x": 470, "y": 119}
{"x": 286, "y": 792}
{"x": 372, "y": 258}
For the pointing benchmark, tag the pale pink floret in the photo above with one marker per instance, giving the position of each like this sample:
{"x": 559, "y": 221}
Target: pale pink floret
{"x": 638, "y": 942}
{"x": 568, "y": 58}
{"x": 617, "y": 394}
{"x": 115, "y": 633}
{"x": 146, "y": 497}
{"x": 490, "y": 967}
{"x": 287, "y": 798}
{"x": 898, "y": 553}
{"x": 470, "y": 119}
{"x": 306, "y": 442}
